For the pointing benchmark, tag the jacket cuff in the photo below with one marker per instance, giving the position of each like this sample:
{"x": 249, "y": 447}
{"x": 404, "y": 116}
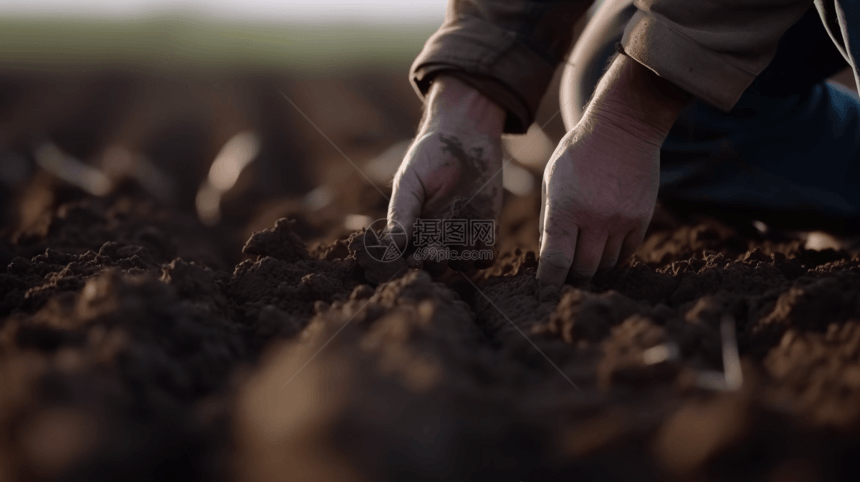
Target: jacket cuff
{"x": 491, "y": 60}
{"x": 700, "y": 71}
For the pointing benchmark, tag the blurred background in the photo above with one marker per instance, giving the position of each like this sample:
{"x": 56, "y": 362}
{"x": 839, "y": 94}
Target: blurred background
{"x": 236, "y": 112}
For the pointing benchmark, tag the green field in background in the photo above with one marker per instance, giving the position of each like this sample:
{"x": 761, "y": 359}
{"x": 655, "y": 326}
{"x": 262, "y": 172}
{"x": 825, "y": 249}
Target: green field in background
{"x": 183, "y": 42}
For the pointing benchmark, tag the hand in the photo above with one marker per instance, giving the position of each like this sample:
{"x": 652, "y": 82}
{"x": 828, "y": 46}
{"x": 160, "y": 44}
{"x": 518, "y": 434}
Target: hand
{"x": 600, "y": 186}
{"x": 599, "y": 192}
{"x": 456, "y": 154}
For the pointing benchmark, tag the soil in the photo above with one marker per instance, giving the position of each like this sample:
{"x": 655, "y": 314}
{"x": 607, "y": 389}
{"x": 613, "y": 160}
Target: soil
{"x": 134, "y": 347}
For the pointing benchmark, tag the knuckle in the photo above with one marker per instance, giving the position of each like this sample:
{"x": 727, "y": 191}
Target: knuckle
{"x": 608, "y": 264}
{"x": 563, "y": 212}
{"x": 555, "y": 260}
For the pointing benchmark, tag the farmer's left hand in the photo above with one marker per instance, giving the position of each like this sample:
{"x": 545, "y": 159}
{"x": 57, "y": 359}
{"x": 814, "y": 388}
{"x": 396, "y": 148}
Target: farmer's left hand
{"x": 600, "y": 186}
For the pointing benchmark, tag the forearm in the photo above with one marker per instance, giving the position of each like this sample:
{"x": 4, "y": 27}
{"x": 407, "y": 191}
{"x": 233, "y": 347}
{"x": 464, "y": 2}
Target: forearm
{"x": 453, "y": 105}
{"x": 633, "y": 98}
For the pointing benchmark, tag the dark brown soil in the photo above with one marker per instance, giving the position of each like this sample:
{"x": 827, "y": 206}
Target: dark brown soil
{"x": 138, "y": 344}
{"x": 131, "y": 350}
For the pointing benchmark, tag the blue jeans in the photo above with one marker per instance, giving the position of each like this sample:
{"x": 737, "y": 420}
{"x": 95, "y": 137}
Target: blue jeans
{"x": 787, "y": 154}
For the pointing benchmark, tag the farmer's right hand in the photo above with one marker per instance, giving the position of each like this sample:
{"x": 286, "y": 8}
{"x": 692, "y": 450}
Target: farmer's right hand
{"x": 456, "y": 154}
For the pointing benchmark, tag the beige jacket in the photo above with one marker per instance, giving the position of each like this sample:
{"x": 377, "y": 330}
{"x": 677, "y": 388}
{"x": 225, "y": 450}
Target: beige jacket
{"x": 714, "y": 49}
{"x": 508, "y": 49}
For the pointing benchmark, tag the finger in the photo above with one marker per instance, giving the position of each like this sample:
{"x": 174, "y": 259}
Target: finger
{"x": 611, "y": 252}
{"x": 631, "y": 243}
{"x": 407, "y": 198}
{"x": 589, "y": 251}
{"x": 558, "y": 245}
{"x": 542, "y": 212}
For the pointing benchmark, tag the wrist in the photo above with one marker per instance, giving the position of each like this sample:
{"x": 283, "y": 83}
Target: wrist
{"x": 453, "y": 105}
{"x": 636, "y": 100}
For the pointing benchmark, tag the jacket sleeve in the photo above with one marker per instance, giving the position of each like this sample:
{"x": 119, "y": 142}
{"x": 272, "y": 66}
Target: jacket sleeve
{"x": 713, "y": 49}
{"x": 507, "y": 49}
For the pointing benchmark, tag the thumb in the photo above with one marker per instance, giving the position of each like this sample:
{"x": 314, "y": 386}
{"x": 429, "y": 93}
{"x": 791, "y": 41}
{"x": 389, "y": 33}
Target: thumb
{"x": 557, "y": 246}
{"x": 407, "y": 199}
